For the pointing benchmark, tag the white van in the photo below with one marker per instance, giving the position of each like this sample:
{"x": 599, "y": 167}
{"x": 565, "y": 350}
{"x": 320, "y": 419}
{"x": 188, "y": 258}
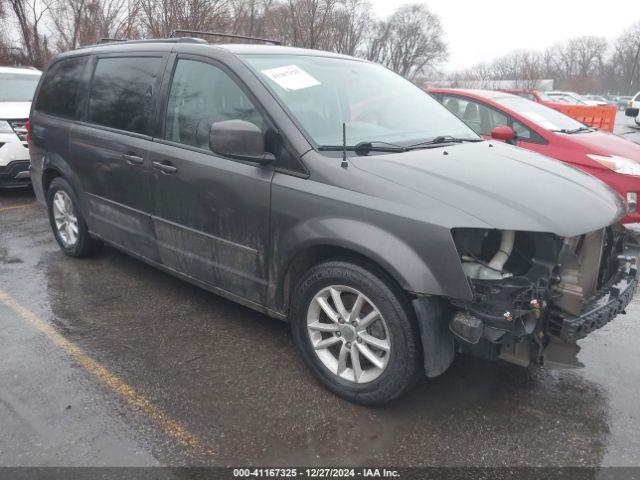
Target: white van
{"x": 17, "y": 86}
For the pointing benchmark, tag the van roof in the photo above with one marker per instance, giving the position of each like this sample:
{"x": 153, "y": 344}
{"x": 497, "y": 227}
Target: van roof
{"x": 192, "y": 44}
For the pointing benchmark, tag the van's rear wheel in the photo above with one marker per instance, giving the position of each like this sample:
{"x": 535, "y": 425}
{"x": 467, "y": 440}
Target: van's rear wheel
{"x": 356, "y": 333}
{"x": 67, "y": 222}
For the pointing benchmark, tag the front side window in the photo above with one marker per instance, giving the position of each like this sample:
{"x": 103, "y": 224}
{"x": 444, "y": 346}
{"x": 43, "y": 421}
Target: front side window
{"x": 323, "y": 93}
{"x": 18, "y": 87}
{"x": 522, "y": 132}
{"x": 201, "y": 95}
{"x": 122, "y": 93}
{"x": 481, "y": 118}
{"x": 62, "y": 86}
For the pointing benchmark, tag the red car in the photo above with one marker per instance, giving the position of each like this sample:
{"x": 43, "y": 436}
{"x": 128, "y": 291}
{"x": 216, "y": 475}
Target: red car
{"x": 516, "y": 120}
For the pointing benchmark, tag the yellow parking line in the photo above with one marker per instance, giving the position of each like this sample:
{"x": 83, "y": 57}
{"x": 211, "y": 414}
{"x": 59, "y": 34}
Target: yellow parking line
{"x": 13, "y": 207}
{"x": 159, "y": 417}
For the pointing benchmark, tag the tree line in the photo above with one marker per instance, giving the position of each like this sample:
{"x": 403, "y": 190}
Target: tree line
{"x": 410, "y": 41}
{"x": 587, "y": 64}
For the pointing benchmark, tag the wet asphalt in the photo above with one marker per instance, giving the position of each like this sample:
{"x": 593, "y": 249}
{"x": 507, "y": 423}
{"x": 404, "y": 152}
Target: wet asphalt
{"x": 232, "y": 379}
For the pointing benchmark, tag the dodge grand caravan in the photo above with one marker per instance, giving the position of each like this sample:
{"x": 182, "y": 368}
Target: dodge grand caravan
{"x": 330, "y": 192}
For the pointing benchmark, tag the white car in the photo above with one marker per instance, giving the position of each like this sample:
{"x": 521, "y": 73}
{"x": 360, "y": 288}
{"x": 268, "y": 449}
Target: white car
{"x": 634, "y": 108}
{"x": 17, "y": 86}
{"x": 580, "y": 100}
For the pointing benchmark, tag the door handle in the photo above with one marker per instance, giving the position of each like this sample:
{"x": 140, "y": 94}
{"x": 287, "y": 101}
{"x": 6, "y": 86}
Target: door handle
{"x": 132, "y": 159}
{"x": 165, "y": 167}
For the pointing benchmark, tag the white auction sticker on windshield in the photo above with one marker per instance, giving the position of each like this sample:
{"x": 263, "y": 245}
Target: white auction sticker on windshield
{"x": 291, "y": 77}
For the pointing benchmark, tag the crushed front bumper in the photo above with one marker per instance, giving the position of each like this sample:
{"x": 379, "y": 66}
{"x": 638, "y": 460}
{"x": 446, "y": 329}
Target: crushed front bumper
{"x": 600, "y": 310}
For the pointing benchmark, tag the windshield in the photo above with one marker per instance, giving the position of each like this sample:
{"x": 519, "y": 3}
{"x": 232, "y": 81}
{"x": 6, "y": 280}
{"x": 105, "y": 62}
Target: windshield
{"x": 569, "y": 97}
{"x": 17, "y": 87}
{"x": 376, "y": 105}
{"x": 545, "y": 117}
{"x": 566, "y": 99}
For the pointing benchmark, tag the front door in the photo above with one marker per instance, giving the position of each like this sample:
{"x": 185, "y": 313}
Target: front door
{"x": 211, "y": 215}
{"x": 110, "y": 149}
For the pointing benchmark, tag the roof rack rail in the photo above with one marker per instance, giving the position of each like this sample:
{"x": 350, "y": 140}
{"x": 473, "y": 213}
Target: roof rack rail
{"x": 110, "y": 40}
{"x": 225, "y": 35}
{"x": 103, "y": 41}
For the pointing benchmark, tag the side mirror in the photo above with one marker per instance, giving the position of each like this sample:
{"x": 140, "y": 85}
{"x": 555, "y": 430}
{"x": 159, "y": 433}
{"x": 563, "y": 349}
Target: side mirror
{"x": 239, "y": 139}
{"x": 504, "y": 133}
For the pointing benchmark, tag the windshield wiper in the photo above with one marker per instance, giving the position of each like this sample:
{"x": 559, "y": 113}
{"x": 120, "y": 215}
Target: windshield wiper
{"x": 364, "y": 148}
{"x": 444, "y": 139}
{"x": 575, "y": 130}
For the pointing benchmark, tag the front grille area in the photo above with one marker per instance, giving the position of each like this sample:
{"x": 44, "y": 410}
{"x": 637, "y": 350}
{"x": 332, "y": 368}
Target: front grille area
{"x": 19, "y": 126}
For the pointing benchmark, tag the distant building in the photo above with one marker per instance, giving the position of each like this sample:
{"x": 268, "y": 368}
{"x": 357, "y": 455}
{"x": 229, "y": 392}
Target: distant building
{"x": 541, "y": 84}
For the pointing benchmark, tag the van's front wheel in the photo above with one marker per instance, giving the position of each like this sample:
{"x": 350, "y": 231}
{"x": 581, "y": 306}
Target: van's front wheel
{"x": 356, "y": 333}
{"x": 67, "y": 223}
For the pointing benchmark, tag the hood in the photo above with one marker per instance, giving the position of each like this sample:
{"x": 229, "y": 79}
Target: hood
{"x": 503, "y": 186}
{"x": 603, "y": 143}
{"x": 14, "y": 110}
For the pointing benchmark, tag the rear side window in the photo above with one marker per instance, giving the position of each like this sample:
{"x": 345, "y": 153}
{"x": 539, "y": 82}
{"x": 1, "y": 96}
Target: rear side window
{"x": 61, "y": 88}
{"x": 122, "y": 93}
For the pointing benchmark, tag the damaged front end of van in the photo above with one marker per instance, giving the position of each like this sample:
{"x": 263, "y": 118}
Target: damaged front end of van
{"x": 536, "y": 294}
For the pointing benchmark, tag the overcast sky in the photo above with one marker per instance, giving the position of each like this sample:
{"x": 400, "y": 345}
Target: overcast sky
{"x": 479, "y": 30}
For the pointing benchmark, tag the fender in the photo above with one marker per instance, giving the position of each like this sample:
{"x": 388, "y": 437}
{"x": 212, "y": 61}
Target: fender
{"x": 400, "y": 260}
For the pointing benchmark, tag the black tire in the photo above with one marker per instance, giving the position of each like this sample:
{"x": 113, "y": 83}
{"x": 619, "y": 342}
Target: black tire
{"x": 404, "y": 365}
{"x": 85, "y": 245}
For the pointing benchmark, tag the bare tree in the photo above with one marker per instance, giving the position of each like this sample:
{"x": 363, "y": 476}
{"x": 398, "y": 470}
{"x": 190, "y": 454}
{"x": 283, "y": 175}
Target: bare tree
{"x": 83, "y": 22}
{"x": 29, "y": 15}
{"x": 308, "y": 21}
{"x": 623, "y": 72}
{"x": 578, "y": 58}
{"x": 252, "y": 17}
{"x": 348, "y": 26}
{"x": 410, "y": 42}
{"x": 160, "y": 17}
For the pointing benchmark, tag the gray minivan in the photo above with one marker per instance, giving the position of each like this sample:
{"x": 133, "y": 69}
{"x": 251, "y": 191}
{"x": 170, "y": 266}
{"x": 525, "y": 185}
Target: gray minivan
{"x": 330, "y": 192}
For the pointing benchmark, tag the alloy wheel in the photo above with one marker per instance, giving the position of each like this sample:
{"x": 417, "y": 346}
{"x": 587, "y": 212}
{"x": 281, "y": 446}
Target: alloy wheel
{"x": 348, "y": 334}
{"x": 65, "y": 218}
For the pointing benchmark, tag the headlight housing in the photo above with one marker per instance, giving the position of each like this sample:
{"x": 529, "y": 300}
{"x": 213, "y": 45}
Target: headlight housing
{"x": 5, "y": 127}
{"x": 621, "y": 165}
